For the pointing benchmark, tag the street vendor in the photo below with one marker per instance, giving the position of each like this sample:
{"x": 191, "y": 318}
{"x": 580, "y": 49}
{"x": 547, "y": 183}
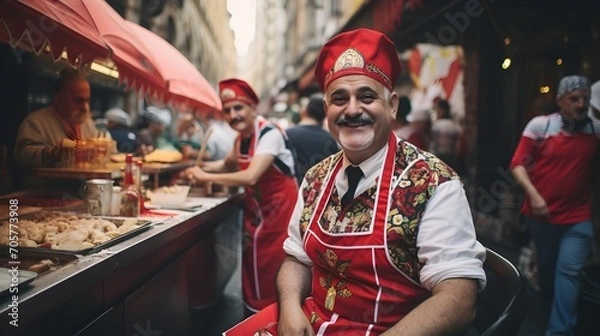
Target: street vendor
{"x": 45, "y": 133}
{"x": 264, "y": 164}
{"x": 382, "y": 240}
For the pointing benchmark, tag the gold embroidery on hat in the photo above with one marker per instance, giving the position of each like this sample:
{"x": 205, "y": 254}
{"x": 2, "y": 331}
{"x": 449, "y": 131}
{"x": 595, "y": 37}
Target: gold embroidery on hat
{"x": 375, "y": 69}
{"x": 350, "y": 58}
{"x": 227, "y": 93}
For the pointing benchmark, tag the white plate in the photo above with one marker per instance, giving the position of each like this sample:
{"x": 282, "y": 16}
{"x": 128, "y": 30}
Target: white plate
{"x": 187, "y": 205}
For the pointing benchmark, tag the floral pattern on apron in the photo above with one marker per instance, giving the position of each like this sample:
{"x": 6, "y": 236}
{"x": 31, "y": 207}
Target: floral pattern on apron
{"x": 365, "y": 273}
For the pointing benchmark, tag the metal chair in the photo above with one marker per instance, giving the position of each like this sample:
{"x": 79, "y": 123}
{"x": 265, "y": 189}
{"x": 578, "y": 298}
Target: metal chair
{"x": 502, "y": 306}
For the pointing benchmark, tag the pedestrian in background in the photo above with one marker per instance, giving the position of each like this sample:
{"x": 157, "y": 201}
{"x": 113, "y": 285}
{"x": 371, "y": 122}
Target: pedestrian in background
{"x": 445, "y": 134}
{"x": 553, "y": 165}
{"x": 311, "y": 142}
{"x": 118, "y": 124}
{"x": 419, "y": 133}
{"x": 153, "y": 132}
{"x": 263, "y": 164}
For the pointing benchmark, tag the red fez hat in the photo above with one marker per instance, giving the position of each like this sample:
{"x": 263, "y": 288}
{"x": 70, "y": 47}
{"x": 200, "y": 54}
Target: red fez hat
{"x": 236, "y": 89}
{"x": 358, "y": 52}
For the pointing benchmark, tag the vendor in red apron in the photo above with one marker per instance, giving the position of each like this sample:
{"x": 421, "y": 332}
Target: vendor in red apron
{"x": 382, "y": 238}
{"x": 263, "y": 162}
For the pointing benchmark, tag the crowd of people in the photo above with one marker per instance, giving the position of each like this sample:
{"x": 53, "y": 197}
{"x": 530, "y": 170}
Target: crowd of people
{"x": 362, "y": 225}
{"x": 433, "y": 130}
{"x": 47, "y": 134}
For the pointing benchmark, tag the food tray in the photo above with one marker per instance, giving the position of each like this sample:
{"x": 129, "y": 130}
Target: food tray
{"x": 24, "y": 278}
{"x": 30, "y": 201}
{"x": 30, "y": 258}
{"x": 143, "y": 225}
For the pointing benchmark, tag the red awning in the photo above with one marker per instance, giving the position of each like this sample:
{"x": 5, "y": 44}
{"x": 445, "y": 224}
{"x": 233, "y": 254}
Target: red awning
{"x": 132, "y": 58}
{"x": 87, "y": 30}
{"x": 59, "y": 25}
{"x": 187, "y": 88}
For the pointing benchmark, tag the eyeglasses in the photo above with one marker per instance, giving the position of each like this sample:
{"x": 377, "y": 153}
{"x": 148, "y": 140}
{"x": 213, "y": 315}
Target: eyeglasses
{"x": 236, "y": 108}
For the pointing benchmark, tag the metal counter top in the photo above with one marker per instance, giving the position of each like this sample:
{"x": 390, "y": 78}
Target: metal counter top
{"x": 109, "y": 172}
{"x": 112, "y": 170}
{"x": 53, "y": 288}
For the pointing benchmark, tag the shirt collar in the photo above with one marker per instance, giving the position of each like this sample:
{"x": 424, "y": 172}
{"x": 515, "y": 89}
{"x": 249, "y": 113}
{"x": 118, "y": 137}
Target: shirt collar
{"x": 370, "y": 166}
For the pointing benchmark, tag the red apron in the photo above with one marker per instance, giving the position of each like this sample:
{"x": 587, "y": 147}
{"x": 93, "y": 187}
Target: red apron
{"x": 268, "y": 206}
{"x": 356, "y": 289}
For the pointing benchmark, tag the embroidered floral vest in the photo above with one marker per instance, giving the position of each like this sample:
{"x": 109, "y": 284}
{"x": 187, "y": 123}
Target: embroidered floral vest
{"x": 409, "y": 199}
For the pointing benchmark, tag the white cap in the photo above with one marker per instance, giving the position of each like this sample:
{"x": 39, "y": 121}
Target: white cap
{"x": 161, "y": 116}
{"x": 118, "y": 116}
{"x": 418, "y": 115}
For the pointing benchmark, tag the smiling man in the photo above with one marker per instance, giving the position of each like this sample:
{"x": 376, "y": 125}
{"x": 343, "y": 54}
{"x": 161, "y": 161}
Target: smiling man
{"x": 553, "y": 163}
{"x": 381, "y": 241}
{"x": 262, "y": 162}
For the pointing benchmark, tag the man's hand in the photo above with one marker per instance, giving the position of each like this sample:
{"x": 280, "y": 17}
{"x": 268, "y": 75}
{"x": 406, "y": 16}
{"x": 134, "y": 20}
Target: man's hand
{"x": 212, "y": 165}
{"x": 52, "y": 155}
{"x": 293, "y": 286}
{"x": 539, "y": 208}
{"x": 68, "y": 144}
{"x": 196, "y": 173}
{"x": 293, "y": 322}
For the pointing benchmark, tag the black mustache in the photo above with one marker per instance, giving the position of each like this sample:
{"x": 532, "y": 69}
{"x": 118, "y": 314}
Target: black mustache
{"x": 235, "y": 121}
{"x": 358, "y": 119}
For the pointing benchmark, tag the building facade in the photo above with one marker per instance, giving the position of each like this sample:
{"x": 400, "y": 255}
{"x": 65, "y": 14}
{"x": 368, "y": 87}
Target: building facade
{"x": 289, "y": 35}
{"x": 197, "y": 28}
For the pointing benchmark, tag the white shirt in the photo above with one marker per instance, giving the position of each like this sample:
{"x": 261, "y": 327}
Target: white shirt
{"x": 446, "y": 240}
{"x": 273, "y": 143}
{"x": 221, "y": 140}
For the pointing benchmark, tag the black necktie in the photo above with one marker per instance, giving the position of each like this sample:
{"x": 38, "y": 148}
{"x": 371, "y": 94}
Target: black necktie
{"x": 354, "y": 174}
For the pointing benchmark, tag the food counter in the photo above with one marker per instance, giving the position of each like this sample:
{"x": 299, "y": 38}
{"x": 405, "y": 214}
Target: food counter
{"x": 164, "y": 280}
{"x": 109, "y": 172}
{"x": 112, "y": 170}
{"x": 157, "y": 168}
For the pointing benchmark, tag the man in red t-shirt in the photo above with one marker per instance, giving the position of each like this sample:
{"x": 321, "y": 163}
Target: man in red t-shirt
{"x": 553, "y": 164}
